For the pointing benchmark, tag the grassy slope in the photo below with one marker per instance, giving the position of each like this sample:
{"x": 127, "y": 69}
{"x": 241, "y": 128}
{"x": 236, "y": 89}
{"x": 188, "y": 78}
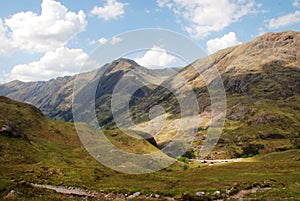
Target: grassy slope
{"x": 56, "y": 157}
{"x": 262, "y": 108}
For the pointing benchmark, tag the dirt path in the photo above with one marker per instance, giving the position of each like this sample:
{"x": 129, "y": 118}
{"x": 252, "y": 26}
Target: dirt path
{"x": 77, "y": 191}
{"x": 242, "y": 193}
{"x": 218, "y": 160}
{"x": 99, "y": 194}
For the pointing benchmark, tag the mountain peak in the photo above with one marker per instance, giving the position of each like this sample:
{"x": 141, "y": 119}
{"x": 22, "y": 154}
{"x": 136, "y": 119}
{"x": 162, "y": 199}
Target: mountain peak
{"x": 278, "y": 36}
{"x": 125, "y": 60}
{"x": 121, "y": 64}
{"x": 282, "y": 47}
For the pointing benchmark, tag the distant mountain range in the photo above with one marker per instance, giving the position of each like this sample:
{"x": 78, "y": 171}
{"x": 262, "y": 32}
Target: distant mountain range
{"x": 261, "y": 79}
{"x": 54, "y": 97}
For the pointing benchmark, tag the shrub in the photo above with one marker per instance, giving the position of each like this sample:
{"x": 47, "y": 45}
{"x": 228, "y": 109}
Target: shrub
{"x": 296, "y": 143}
{"x": 183, "y": 159}
{"x": 189, "y": 154}
{"x": 251, "y": 149}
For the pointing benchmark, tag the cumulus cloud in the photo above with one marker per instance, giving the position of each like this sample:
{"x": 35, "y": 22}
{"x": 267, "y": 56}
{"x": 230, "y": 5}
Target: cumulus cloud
{"x": 59, "y": 62}
{"x": 111, "y": 10}
{"x": 5, "y": 44}
{"x": 102, "y": 41}
{"x": 285, "y": 20}
{"x": 227, "y": 40}
{"x": 115, "y": 40}
{"x": 296, "y": 3}
{"x": 32, "y": 32}
{"x": 156, "y": 57}
{"x": 202, "y": 17}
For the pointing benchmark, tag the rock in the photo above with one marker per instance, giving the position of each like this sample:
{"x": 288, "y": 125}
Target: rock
{"x": 238, "y": 138}
{"x": 201, "y": 193}
{"x": 217, "y": 193}
{"x": 114, "y": 134}
{"x": 136, "y": 194}
{"x": 13, "y": 193}
{"x": 9, "y": 129}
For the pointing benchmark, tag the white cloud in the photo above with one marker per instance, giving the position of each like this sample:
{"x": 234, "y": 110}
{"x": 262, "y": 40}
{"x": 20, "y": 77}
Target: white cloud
{"x": 52, "y": 29}
{"x": 111, "y": 10}
{"x": 202, "y": 17}
{"x": 227, "y": 40}
{"x": 59, "y": 62}
{"x": 116, "y": 40}
{"x": 156, "y": 57}
{"x": 102, "y": 41}
{"x": 286, "y": 20}
{"x": 296, "y": 3}
{"x": 5, "y": 44}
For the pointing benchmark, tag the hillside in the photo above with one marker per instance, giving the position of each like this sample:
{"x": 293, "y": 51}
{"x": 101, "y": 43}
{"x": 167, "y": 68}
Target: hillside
{"x": 262, "y": 81}
{"x": 38, "y": 152}
{"x": 25, "y": 125}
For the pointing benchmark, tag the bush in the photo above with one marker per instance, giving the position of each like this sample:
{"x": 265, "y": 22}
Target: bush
{"x": 247, "y": 155}
{"x": 189, "y": 154}
{"x": 296, "y": 143}
{"x": 252, "y": 149}
{"x": 183, "y": 159}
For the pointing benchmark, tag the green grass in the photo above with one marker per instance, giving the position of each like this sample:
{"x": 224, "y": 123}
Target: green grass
{"x": 55, "y": 156}
{"x": 129, "y": 142}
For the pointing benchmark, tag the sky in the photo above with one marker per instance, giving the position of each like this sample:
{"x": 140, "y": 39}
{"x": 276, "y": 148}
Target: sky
{"x": 44, "y": 39}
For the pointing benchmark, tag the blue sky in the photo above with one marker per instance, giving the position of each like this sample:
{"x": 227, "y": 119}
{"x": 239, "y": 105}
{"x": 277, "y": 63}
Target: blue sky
{"x": 43, "y": 39}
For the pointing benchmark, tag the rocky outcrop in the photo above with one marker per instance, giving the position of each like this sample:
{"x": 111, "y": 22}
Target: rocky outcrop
{"x": 9, "y": 129}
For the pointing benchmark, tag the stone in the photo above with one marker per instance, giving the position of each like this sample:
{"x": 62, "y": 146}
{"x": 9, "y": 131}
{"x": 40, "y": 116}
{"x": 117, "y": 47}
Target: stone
{"x": 201, "y": 193}
{"x": 217, "y": 193}
{"x": 136, "y": 194}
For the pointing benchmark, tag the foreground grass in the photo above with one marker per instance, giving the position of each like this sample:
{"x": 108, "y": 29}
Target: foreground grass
{"x": 74, "y": 167}
{"x": 55, "y": 156}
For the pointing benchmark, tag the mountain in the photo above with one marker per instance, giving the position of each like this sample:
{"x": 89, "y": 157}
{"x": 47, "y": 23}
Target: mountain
{"x": 54, "y": 97}
{"x": 261, "y": 79}
{"x": 127, "y": 75}
{"x": 262, "y": 83}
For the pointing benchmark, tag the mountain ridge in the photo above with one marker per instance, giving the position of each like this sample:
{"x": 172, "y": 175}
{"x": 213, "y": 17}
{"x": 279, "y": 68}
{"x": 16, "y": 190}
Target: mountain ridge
{"x": 257, "y": 76}
{"x": 261, "y": 79}
{"x": 54, "y": 97}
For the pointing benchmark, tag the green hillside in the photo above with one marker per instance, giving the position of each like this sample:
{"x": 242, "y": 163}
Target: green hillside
{"x": 261, "y": 79}
{"x": 51, "y": 154}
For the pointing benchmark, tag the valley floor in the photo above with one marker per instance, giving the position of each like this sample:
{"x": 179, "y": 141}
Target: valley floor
{"x": 273, "y": 176}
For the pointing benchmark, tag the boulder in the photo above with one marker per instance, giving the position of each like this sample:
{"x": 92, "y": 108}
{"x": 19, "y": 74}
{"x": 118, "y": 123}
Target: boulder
{"x": 9, "y": 129}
